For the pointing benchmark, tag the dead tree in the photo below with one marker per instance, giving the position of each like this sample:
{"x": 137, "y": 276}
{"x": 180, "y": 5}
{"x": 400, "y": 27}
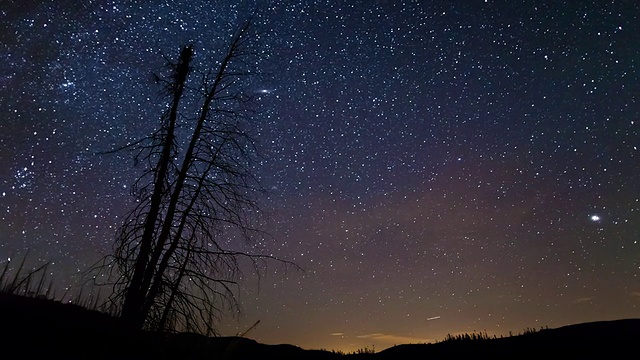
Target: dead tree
{"x": 173, "y": 268}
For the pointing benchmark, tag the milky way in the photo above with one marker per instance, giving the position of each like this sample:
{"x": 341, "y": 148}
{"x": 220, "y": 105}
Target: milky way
{"x": 434, "y": 167}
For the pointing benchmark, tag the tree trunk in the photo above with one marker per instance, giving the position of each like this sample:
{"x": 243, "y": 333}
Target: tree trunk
{"x": 132, "y": 314}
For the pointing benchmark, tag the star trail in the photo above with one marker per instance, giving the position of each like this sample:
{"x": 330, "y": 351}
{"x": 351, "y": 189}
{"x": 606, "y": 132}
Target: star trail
{"x": 433, "y": 167}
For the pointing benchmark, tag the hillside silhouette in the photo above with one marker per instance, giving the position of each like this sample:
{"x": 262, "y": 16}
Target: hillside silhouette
{"x": 39, "y": 328}
{"x": 590, "y": 340}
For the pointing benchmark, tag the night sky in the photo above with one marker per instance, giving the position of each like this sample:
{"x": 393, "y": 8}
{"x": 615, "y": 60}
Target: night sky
{"x": 434, "y": 167}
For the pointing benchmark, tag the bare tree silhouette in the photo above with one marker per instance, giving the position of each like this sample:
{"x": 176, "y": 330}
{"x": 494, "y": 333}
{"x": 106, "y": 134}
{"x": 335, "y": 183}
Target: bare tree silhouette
{"x": 172, "y": 268}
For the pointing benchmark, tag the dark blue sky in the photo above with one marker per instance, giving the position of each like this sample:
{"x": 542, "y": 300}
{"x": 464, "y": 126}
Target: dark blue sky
{"x": 435, "y": 167}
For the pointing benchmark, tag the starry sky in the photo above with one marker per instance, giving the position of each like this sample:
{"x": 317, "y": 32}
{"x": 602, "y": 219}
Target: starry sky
{"x": 435, "y": 167}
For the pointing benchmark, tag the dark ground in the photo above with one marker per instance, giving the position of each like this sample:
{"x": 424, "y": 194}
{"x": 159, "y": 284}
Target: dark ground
{"x": 45, "y": 329}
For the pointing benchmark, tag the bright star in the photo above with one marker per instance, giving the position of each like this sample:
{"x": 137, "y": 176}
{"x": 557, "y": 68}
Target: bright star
{"x": 595, "y": 218}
